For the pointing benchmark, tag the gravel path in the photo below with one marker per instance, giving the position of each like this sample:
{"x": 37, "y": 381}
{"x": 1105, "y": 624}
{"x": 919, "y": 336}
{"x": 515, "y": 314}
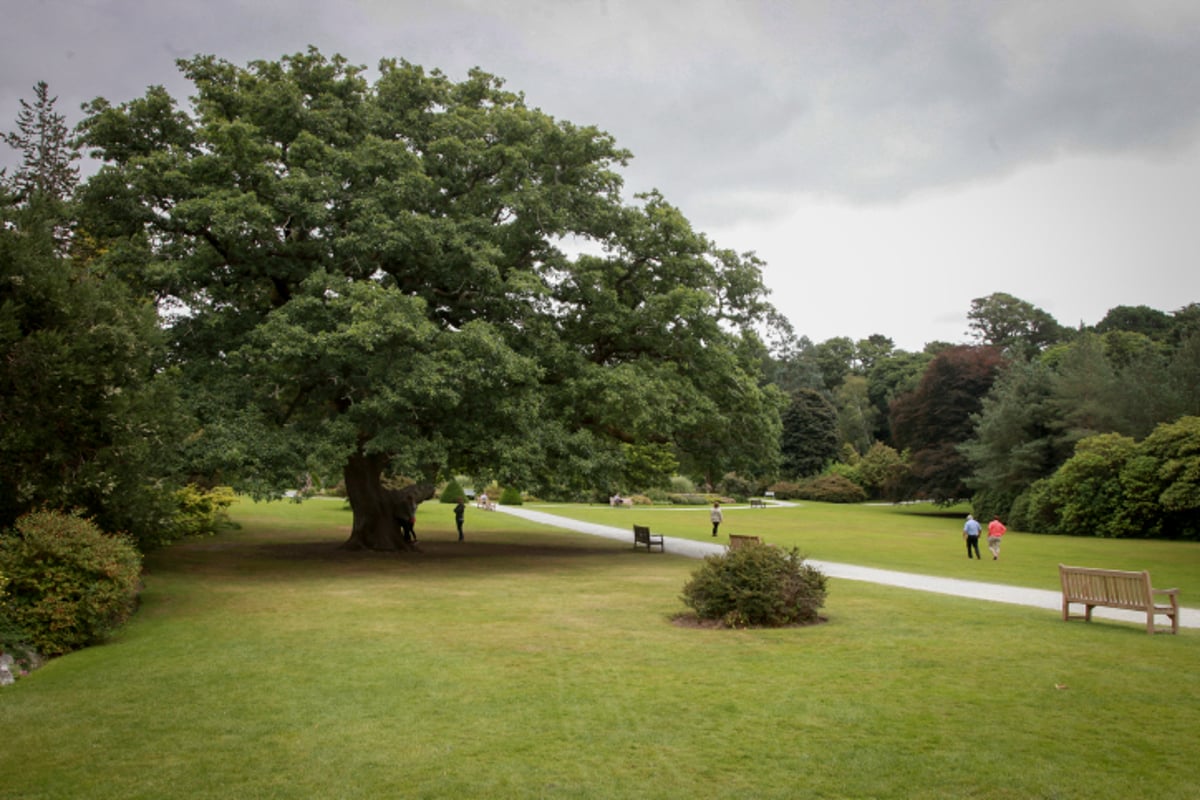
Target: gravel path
{"x": 993, "y": 592}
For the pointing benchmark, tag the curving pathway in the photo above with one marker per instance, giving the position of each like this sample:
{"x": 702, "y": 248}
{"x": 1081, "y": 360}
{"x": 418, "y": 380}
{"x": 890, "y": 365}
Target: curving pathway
{"x": 993, "y": 592}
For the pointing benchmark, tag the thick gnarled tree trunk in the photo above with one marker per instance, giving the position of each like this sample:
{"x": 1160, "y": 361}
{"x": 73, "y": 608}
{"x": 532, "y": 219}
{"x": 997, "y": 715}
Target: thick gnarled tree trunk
{"x": 377, "y": 509}
{"x": 374, "y": 528}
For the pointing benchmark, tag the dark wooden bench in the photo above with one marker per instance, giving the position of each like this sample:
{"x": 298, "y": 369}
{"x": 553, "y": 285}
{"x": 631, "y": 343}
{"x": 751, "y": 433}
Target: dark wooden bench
{"x": 756, "y": 502}
{"x": 737, "y": 540}
{"x": 1116, "y": 589}
{"x": 642, "y": 535}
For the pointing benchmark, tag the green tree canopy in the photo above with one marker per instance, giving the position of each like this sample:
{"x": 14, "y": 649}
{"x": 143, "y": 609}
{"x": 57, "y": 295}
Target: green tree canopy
{"x": 1015, "y": 326}
{"x": 421, "y": 275}
{"x": 88, "y": 419}
{"x": 810, "y": 434}
{"x": 48, "y": 154}
{"x": 938, "y": 416}
{"x": 1115, "y": 487}
{"x": 1014, "y": 443}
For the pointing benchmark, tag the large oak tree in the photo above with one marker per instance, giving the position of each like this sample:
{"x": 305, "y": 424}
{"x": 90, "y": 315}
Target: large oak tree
{"x": 423, "y": 276}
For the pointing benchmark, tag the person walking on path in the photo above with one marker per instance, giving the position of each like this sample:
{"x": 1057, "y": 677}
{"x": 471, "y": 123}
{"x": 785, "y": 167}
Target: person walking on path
{"x": 460, "y": 511}
{"x": 971, "y": 533}
{"x": 716, "y": 517}
{"x": 996, "y": 529}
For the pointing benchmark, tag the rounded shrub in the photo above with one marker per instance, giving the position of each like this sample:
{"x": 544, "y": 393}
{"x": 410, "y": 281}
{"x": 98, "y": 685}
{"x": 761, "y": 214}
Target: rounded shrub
{"x": 511, "y": 496}
{"x": 452, "y": 492}
{"x": 735, "y": 485}
{"x": 831, "y": 488}
{"x": 201, "y": 511}
{"x": 70, "y": 585}
{"x": 756, "y": 585}
{"x": 13, "y": 640}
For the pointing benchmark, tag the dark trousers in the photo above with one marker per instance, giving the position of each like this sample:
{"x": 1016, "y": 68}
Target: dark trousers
{"x": 973, "y": 544}
{"x": 406, "y": 527}
{"x": 459, "y": 523}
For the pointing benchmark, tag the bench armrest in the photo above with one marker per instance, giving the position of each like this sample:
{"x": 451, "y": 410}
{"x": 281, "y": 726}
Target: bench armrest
{"x": 1165, "y": 591}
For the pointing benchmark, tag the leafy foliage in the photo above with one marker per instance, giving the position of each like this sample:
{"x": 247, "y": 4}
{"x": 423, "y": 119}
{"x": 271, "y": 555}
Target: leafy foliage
{"x": 452, "y": 492}
{"x": 1121, "y": 382}
{"x": 933, "y": 420}
{"x": 48, "y": 154}
{"x": 1014, "y": 443}
{"x": 511, "y": 496}
{"x": 70, "y": 584}
{"x": 1115, "y": 487}
{"x": 881, "y": 471}
{"x": 90, "y": 418}
{"x": 734, "y": 485}
{"x": 374, "y": 276}
{"x": 810, "y": 434}
{"x": 756, "y": 585}
{"x": 1013, "y": 325}
{"x": 831, "y": 488}
{"x": 1138, "y": 319}
{"x": 200, "y": 511}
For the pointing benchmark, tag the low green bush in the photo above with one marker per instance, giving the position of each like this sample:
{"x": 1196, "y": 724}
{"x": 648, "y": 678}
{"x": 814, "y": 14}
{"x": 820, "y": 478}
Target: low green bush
{"x": 511, "y": 496}
{"x": 831, "y": 488}
{"x": 70, "y": 584}
{"x": 682, "y": 485}
{"x": 786, "y": 490}
{"x": 735, "y": 485}
{"x": 699, "y": 499}
{"x": 757, "y": 585}
{"x": 13, "y": 640}
{"x": 202, "y": 512}
{"x": 657, "y": 496}
{"x": 452, "y": 493}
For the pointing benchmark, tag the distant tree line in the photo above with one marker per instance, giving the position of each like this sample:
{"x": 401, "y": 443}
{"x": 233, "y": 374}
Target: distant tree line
{"x": 306, "y": 277}
{"x": 1013, "y": 420}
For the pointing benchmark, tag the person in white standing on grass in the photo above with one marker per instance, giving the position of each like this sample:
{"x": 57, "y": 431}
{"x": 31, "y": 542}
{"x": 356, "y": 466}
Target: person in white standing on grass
{"x": 716, "y": 517}
{"x": 971, "y": 533}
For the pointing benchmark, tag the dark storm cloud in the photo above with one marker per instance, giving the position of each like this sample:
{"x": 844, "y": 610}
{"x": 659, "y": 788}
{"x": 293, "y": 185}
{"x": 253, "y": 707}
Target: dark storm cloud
{"x": 727, "y": 106}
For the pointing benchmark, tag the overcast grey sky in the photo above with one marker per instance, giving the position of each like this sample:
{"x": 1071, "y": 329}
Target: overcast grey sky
{"x": 889, "y": 161}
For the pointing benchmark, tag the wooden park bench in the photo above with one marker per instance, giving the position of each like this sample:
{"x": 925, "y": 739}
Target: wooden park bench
{"x": 757, "y": 502}
{"x": 642, "y": 535}
{"x": 737, "y": 540}
{"x": 1116, "y": 589}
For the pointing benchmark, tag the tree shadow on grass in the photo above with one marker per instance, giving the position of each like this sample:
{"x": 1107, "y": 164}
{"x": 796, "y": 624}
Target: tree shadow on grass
{"x": 274, "y": 559}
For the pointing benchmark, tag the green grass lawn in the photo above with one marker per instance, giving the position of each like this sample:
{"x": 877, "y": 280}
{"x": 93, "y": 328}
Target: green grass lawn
{"x": 528, "y": 662}
{"x": 913, "y": 538}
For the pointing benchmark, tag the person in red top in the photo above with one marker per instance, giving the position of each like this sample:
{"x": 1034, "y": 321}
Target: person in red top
{"x": 996, "y": 529}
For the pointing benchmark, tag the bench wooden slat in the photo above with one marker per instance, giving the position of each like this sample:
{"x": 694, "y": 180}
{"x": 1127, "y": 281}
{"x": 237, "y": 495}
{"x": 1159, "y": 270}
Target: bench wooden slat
{"x": 1112, "y": 588}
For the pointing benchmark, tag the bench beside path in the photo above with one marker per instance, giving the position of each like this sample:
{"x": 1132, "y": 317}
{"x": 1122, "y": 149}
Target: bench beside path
{"x": 978, "y": 590}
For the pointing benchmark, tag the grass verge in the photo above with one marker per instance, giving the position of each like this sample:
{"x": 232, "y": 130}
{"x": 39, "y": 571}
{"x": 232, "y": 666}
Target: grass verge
{"x": 526, "y": 662}
{"x": 913, "y": 538}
